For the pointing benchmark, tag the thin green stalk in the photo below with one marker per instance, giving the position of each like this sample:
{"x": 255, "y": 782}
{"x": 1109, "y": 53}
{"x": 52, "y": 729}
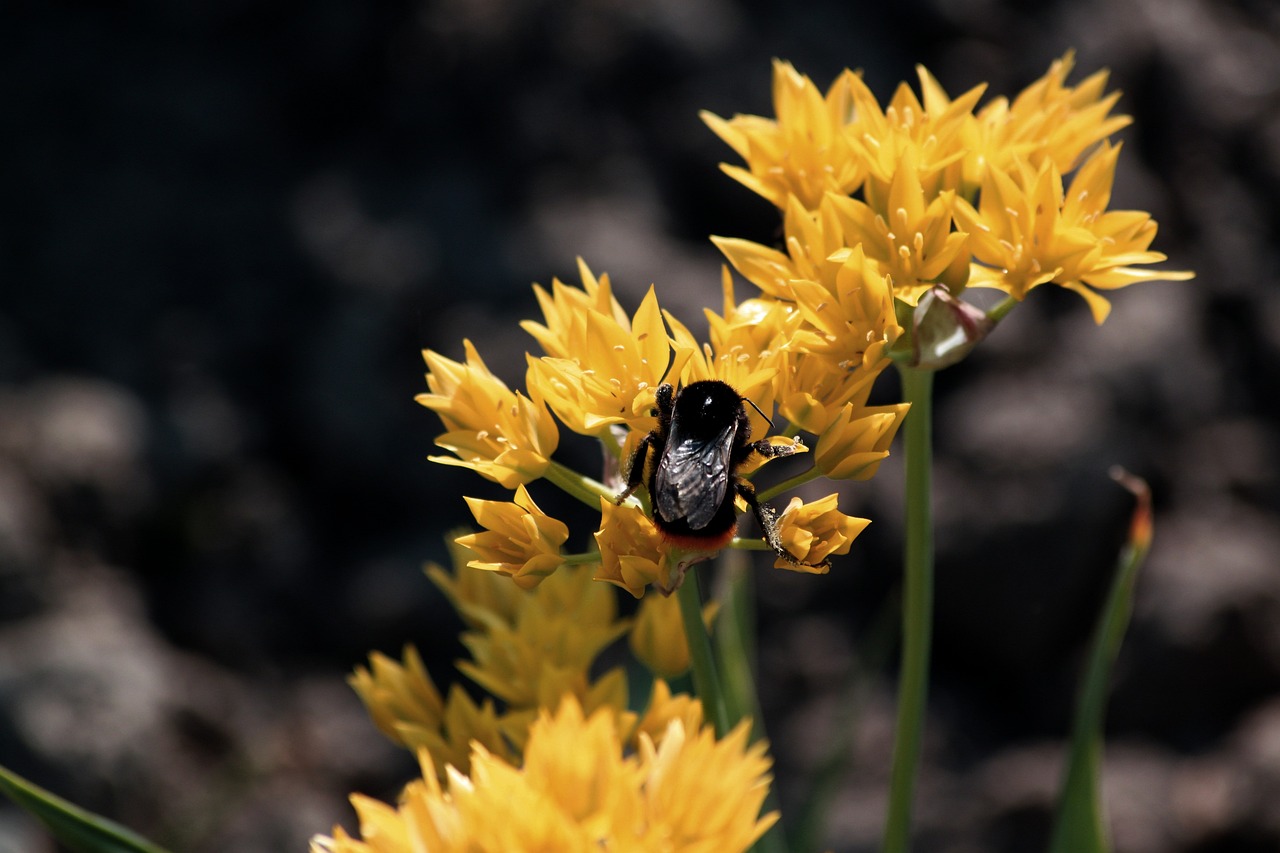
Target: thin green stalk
{"x": 917, "y": 609}
{"x": 706, "y": 681}
{"x": 734, "y": 641}
{"x": 1003, "y": 307}
{"x": 735, "y": 648}
{"x": 583, "y": 488}
{"x": 1079, "y": 826}
{"x": 786, "y": 485}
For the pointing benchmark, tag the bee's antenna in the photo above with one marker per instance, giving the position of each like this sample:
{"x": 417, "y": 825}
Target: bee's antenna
{"x": 760, "y": 410}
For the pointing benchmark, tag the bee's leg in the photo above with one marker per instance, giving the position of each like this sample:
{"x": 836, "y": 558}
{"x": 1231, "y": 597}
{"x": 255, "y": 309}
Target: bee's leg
{"x": 665, "y": 399}
{"x": 767, "y": 517}
{"x": 635, "y": 467}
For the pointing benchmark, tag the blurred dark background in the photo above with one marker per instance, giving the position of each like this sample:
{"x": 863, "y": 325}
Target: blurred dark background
{"x": 231, "y": 227}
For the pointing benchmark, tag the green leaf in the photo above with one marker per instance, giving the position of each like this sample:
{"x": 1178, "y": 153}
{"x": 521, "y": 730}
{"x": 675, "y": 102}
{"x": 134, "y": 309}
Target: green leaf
{"x": 76, "y": 828}
{"x": 1080, "y": 825}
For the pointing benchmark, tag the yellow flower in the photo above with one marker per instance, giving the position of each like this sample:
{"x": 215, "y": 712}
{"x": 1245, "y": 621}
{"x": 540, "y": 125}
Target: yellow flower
{"x": 549, "y": 648}
{"x": 813, "y": 390}
{"x": 931, "y": 134}
{"x": 502, "y": 435}
{"x": 528, "y": 649}
{"x": 479, "y": 597}
{"x": 1026, "y": 232}
{"x": 632, "y": 554}
{"x": 579, "y": 762}
{"x": 751, "y": 330}
{"x": 816, "y": 530}
{"x": 664, "y": 707}
{"x": 657, "y": 637}
{"x": 609, "y": 370}
{"x": 805, "y": 152}
{"x": 857, "y": 440}
{"x": 566, "y": 308}
{"x": 705, "y": 794}
{"x": 577, "y": 791}
{"x": 813, "y": 236}
{"x": 850, "y": 321}
{"x": 407, "y": 708}
{"x": 519, "y": 539}
{"x": 911, "y": 240}
{"x": 1047, "y": 122}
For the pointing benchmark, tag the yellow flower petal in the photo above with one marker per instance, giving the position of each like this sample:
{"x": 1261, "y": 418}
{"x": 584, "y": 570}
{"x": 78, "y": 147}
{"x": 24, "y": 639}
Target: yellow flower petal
{"x": 518, "y": 539}
{"x": 501, "y": 434}
{"x": 853, "y": 444}
{"x": 632, "y": 554}
{"x": 814, "y": 531}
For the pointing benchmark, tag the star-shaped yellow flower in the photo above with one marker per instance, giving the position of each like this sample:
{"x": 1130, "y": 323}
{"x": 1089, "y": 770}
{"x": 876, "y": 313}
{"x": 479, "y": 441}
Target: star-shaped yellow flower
{"x": 518, "y": 539}
{"x": 804, "y": 152}
{"x": 578, "y": 791}
{"x": 814, "y": 531}
{"x": 502, "y": 435}
{"x": 608, "y": 368}
{"x": 1025, "y": 232}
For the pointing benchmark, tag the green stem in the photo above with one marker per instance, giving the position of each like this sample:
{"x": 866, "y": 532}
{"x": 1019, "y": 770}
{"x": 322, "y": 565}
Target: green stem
{"x": 1079, "y": 824}
{"x": 735, "y": 643}
{"x": 583, "y": 488}
{"x": 735, "y": 647}
{"x": 706, "y": 681}
{"x": 1001, "y": 308}
{"x": 917, "y": 610}
{"x": 786, "y": 485}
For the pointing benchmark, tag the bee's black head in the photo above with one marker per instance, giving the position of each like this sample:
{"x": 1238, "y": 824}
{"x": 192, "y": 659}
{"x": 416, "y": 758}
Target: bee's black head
{"x": 706, "y": 407}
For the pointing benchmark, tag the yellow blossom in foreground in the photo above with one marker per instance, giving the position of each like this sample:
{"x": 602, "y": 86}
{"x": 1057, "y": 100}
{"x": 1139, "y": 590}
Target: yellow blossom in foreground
{"x": 664, "y": 707}
{"x": 407, "y": 708}
{"x": 632, "y": 554}
{"x": 479, "y": 597}
{"x": 519, "y": 539}
{"x": 1026, "y": 232}
{"x": 578, "y": 791}
{"x": 857, "y": 440}
{"x": 657, "y": 636}
{"x": 814, "y": 531}
{"x": 502, "y": 435}
{"x": 806, "y": 152}
{"x": 549, "y": 648}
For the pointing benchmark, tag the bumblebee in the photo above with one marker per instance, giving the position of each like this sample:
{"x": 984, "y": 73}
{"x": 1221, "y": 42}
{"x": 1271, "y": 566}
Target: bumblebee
{"x": 703, "y": 438}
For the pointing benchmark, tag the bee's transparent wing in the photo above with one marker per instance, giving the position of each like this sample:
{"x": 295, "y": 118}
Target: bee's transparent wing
{"x": 693, "y": 476}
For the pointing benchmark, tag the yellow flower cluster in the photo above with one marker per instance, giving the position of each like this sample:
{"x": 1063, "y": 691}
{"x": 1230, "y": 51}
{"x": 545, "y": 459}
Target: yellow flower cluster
{"x": 950, "y": 194}
{"x": 579, "y": 791}
{"x": 591, "y": 776}
{"x": 529, "y": 649}
{"x": 812, "y": 358}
